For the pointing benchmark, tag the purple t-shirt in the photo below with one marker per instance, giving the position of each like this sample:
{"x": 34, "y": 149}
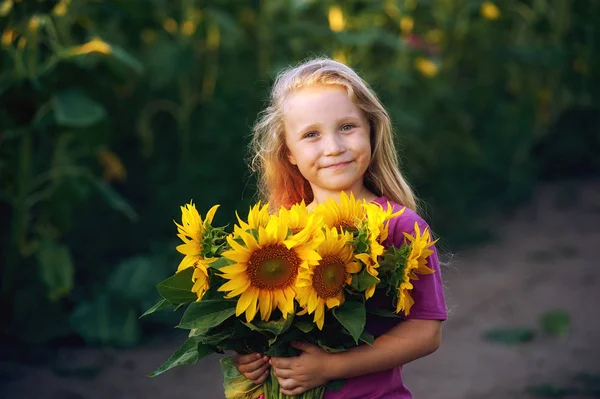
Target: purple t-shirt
{"x": 429, "y": 304}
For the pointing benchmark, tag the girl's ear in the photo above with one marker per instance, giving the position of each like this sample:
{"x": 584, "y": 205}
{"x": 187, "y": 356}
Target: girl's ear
{"x": 292, "y": 159}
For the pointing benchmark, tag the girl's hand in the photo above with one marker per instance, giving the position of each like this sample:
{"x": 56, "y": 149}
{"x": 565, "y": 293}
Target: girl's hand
{"x": 253, "y": 366}
{"x": 301, "y": 373}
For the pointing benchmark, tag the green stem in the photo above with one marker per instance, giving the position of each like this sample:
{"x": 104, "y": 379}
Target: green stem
{"x": 20, "y": 218}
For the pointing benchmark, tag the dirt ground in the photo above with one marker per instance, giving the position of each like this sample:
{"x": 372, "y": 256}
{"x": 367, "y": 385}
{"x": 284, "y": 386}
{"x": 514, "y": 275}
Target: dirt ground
{"x": 542, "y": 258}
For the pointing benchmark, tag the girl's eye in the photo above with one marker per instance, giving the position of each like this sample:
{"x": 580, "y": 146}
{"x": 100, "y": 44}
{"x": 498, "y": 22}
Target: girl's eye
{"x": 347, "y": 127}
{"x": 310, "y": 135}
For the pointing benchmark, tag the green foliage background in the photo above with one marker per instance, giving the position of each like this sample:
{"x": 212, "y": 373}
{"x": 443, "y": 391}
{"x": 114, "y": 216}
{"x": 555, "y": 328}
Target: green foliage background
{"x": 99, "y": 146}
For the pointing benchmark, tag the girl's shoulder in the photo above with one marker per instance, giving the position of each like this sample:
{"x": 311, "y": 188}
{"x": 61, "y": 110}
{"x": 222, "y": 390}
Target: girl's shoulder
{"x": 406, "y": 222}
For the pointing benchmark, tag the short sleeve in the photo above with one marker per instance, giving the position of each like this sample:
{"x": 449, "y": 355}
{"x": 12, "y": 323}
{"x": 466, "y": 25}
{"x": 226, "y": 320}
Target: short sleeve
{"x": 428, "y": 291}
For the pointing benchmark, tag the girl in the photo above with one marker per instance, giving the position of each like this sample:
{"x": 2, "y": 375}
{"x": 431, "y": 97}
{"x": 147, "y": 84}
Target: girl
{"x": 325, "y": 132}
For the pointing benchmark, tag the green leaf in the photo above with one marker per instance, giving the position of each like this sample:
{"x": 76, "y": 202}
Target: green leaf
{"x": 274, "y": 327}
{"x": 363, "y": 280}
{"x": 135, "y": 278}
{"x": 72, "y": 108}
{"x": 367, "y": 338}
{"x": 178, "y": 288}
{"x": 126, "y": 59}
{"x": 221, "y": 262}
{"x": 216, "y": 338}
{"x": 106, "y": 320}
{"x": 305, "y": 326}
{"x": 189, "y": 353}
{"x": 56, "y": 268}
{"x": 207, "y": 314}
{"x": 556, "y": 322}
{"x": 352, "y": 315}
{"x": 163, "y": 303}
{"x": 236, "y": 385}
{"x": 510, "y": 336}
{"x": 115, "y": 200}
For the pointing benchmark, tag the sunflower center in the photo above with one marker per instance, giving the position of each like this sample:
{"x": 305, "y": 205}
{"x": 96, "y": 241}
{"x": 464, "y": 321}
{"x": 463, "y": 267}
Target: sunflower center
{"x": 273, "y": 267}
{"x": 347, "y": 225}
{"x": 329, "y": 276}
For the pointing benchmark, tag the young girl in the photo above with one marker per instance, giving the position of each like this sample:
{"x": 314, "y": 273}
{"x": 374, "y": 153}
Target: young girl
{"x": 325, "y": 132}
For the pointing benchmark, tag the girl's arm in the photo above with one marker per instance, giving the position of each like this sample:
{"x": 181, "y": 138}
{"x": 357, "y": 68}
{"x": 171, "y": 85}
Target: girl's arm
{"x": 402, "y": 344}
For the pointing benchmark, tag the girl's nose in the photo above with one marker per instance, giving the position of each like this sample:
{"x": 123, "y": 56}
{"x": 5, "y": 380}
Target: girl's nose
{"x": 334, "y": 145}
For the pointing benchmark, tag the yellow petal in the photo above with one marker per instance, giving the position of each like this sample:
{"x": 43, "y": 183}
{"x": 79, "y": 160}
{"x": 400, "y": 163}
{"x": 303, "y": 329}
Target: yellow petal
{"x": 235, "y": 284}
{"x": 244, "y": 301}
{"x": 264, "y": 302}
{"x": 186, "y": 262}
{"x": 234, "y": 269}
{"x": 251, "y": 311}
{"x": 332, "y": 302}
{"x": 211, "y": 214}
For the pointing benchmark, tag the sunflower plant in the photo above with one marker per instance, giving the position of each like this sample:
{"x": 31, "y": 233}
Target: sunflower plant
{"x": 287, "y": 275}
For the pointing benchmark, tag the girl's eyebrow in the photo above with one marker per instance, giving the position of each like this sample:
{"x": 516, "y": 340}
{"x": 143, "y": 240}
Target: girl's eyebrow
{"x": 350, "y": 117}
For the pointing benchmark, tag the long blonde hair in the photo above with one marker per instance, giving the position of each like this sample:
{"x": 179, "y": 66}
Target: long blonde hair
{"x": 280, "y": 182}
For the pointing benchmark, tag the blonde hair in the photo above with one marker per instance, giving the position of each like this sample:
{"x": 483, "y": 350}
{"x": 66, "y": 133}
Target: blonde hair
{"x": 279, "y": 181}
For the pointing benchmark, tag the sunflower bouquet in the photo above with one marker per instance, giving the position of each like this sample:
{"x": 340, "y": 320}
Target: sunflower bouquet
{"x": 289, "y": 275}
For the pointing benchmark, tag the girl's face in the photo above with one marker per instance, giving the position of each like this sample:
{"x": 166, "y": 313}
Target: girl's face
{"x": 328, "y": 139}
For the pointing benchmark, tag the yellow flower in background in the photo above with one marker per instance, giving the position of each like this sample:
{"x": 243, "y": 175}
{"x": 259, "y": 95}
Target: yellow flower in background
{"x": 170, "y": 25}
{"x": 191, "y": 231}
{"x": 347, "y": 214}
{"x": 266, "y": 268}
{"x": 337, "y": 21}
{"x": 188, "y": 28}
{"x": 95, "y": 45}
{"x": 8, "y": 36}
{"x": 114, "y": 170}
{"x": 323, "y": 284}
{"x": 340, "y": 56}
{"x": 200, "y": 277}
{"x": 489, "y": 10}
{"x": 427, "y": 67}
{"x": 406, "y": 24}
{"x": 34, "y": 23}
{"x": 5, "y": 7}
{"x": 416, "y": 262}
{"x": 61, "y": 8}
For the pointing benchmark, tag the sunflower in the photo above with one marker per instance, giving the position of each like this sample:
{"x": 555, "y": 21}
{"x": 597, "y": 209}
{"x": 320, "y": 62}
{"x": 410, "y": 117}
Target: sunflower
{"x": 266, "y": 268}
{"x": 200, "y": 277}
{"x": 377, "y": 231}
{"x": 257, "y": 216}
{"x": 192, "y": 231}
{"x": 323, "y": 283}
{"x": 347, "y": 214}
{"x": 416, "y": 263}
{"x": 296, "y": 217}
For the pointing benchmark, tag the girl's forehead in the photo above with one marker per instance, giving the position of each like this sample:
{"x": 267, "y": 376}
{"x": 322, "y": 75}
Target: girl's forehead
{"x": 319, "y": 99}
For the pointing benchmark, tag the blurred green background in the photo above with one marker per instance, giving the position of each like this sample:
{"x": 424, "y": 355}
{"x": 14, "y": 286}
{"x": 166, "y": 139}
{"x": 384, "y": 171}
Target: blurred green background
{"x": 114, "y": 113}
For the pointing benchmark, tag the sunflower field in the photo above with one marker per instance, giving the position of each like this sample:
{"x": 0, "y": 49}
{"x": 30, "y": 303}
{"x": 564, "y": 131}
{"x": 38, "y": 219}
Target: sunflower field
{"x": 113, "y": 113}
